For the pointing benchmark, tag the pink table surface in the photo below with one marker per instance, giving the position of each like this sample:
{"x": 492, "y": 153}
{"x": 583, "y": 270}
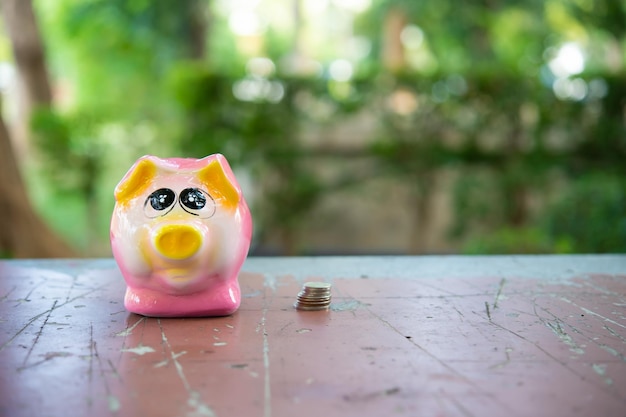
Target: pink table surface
{"x": 415, "y": 336}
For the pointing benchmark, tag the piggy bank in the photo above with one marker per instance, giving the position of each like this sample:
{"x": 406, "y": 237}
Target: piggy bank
{"x": 180, "y": 232}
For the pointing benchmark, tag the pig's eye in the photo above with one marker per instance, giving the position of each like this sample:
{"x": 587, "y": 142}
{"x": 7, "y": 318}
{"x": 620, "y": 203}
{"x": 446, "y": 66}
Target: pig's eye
{"x": 197, "y": 202}
{"x": 158, "y": 203}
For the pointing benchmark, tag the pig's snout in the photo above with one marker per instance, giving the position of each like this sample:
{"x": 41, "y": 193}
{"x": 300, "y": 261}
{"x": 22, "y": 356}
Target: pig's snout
{"x": 177, "y": 242}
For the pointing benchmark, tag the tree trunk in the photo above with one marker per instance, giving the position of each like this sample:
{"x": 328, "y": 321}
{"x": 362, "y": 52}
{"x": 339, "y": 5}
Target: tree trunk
{"x": 393, "y": 58}
{"x": 516, "y": 193}
{"x": 28, "y": 52}
{"x": 198, "y": 22}
{"x": 23, "y": 234}
{"x": 421, "y": 224}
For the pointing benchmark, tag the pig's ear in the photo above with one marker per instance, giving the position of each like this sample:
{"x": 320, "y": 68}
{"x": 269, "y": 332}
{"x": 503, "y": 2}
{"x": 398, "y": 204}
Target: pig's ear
{"x": 138, "y": 177}
{"x": 220, "y": 182}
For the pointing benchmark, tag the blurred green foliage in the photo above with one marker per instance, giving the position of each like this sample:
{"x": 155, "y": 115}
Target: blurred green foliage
{"x": 475, "y": 94}
{"x": 590, "y": 216}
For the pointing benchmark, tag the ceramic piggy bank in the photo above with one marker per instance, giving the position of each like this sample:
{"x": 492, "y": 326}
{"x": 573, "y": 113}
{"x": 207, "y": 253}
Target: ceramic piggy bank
{"x": 180, "y": 232}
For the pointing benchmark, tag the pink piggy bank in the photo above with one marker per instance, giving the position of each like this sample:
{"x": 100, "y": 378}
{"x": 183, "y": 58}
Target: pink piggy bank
{"x": 180, "y": 232}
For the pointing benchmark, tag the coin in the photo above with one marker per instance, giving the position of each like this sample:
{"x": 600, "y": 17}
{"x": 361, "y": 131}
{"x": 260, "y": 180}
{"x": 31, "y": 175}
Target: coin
{"x": 317, "y": 285}
{"x": 314, "y": 296}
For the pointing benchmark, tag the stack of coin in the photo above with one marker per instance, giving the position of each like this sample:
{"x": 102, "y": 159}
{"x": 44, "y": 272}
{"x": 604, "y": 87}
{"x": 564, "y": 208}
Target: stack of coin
{"x": 314, "y": 296}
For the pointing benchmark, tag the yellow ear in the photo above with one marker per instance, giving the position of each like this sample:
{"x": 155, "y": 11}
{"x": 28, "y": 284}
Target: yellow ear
{"x": 135, "y": 181}
{"x": 218, "y": 185}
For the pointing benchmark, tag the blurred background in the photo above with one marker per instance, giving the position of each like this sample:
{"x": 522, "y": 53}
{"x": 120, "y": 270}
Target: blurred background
{"x": 354, "y": 126}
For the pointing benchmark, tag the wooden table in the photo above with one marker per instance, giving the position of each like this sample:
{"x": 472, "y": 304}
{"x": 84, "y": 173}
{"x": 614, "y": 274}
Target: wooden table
{"x": 415, "y": 336}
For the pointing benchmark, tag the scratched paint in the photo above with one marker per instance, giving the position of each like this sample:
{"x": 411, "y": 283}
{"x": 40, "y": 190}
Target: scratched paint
{"x": 349, "y": 305}
{"x": 194, "y": 401}
{"x": 613, "y": 352}
{"x": 615, "y": 333}
{"x": 271, "y": 282}
{"x": 261, "y": 327}
{"x": 499, "y": 293}
{"x": 557, "y": 329}
{"x": 139, "y": 350}
{"x": 113, "y": 403}
{"x": 198, "y": 407}
{"x": 588, "y": 311}
{"x": 128, "y": 331}
{"x": 166, "y": 361}
{"x": 600, "y": 369}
